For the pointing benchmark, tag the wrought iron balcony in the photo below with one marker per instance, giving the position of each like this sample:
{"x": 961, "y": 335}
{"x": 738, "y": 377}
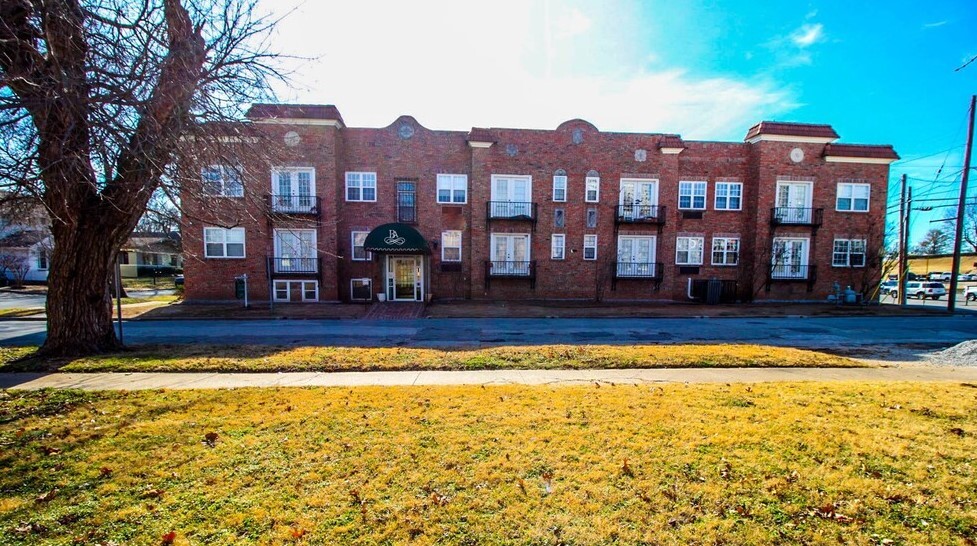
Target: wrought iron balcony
{"x": 640, "y": 214}
{"x": 796, "y": 216}
{"x": 280, "y": 265}
{"x": 516, "y": 270}
{"x": 637, "y": 270}
{"x": 511, "y": 210}
{"x": 791, "y": 272}
{"x": 295, "y": 204}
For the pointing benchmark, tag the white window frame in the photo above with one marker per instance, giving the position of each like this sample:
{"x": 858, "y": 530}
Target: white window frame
{"x": 287, "y": 283}
{"x": 590, "y": 244}
{"x": 445, "y": 246}
{"x": 804, "y": 259}
{"x": 725, "y": 251}
{"x": 850, "y": 186}
{"x": 591, "y": 184}
{"x": 847, "y": 253}
{"x": 559, "y": 185}
{"x": 223, "y": 171}
{"x": 358, "y": 180}
{"x": 451, "y": 183}
{"x": 627, "y": 266}
{"x": 558, "y": 246}
{"x": 43, "y": 259}
{"x": 368, "y": 281}
{"x": 693, "y": 185}
{"x": 224, "y": 232}
{"x": 520, "y": 270}
{"x": 728, "y": 186}
{"x": 367, "y": 255}
{"x": 689, "y": 243}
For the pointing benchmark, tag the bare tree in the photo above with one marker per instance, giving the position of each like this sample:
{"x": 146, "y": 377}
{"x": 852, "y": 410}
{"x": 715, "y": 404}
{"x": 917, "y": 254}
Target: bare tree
{"x": 936, "y": 241}
{"x": 96, "y": 99}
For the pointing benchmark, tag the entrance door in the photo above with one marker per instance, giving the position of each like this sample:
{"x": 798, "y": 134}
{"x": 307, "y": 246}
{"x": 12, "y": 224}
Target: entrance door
{"x": 404, "y": 278}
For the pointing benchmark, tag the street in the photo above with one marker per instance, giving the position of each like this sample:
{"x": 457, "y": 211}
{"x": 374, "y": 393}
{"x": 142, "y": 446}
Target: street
{"x": 833, "y": 332}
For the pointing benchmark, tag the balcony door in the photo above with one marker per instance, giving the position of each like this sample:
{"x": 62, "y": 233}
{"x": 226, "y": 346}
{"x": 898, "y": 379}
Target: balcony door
{"x": 510, "y": 254}
{"x": 512, "y": 196}
{"x": 794, "y": 202}
{"x": 295, "y": 251}
{"x": 790, "y": 258}
{"x": 639, "y": 198}
{"x": 294, "y": 190}
{"x": 635, "y": 256}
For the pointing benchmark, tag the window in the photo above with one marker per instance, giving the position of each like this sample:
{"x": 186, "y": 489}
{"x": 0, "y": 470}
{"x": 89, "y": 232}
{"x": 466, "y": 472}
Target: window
{"x": 406, "y": 203}
{"x": 591, "y": 218}
{"x": 692, "y": 195}
{"x": 559, "y": 218}
{"x": 296, "y": 291}
{"x": 361, "y": 289}
{"x": 688, "y": 250}
{"x": 357, "y": 240}
{"x": 453, "y": 188}
{"x": 222, "y": 180}
{"x": 224, "y": 243}
{"x": 853, "y": 197}
{"x": 558, "y": 246}
{"x": 729, "y": 196}
{"x": 590, "y": 247}
{"x": 592, "y": 194}
{"x": 451, "y": 246}
{"x": 848, "y": 253}
{"x": 361, "y": 186}
{"x": 560, "y": 188}
{"x": 42, "y": 259}
{"x": 725, "y": 250}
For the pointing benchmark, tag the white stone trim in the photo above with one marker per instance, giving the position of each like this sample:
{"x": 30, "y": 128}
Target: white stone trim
{"x": 301, "y": 121}
{"x": 671, "y": 151}
{"x": 869, "y": 160}
{"x": 790, "y": 138}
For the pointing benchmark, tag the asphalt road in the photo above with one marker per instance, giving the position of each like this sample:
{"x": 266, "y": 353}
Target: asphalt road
{"x": 837, "y": 332}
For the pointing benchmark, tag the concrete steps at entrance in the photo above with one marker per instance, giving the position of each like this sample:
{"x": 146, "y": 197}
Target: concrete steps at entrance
{"x": 398, "y": 310}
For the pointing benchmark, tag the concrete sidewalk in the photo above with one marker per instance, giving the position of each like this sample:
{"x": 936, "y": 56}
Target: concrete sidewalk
{"x": 141, "y": 381}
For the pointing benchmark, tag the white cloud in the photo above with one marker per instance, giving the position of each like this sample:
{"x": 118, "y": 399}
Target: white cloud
{"x": 808, "y": 35}
{"x": 934, "y": 25}
{"x": 378, "y": 61}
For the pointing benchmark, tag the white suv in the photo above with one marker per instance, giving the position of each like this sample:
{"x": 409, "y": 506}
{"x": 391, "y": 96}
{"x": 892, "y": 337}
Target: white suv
{"x": 923, "y": 290}
{"x": 970, "y": 294}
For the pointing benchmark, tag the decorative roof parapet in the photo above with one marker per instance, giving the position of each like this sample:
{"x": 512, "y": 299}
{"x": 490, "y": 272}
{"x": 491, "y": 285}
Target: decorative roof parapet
{"x": 296, "y": 114}
{"x": 791, "y": 132}
{"x": 481, "y": 138}
{"x": 671, "y": 144}
{"x": 860, "y": 153}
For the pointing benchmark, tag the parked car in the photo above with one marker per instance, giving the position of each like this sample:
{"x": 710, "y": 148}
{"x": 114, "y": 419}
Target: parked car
{"x": 910, "y": 276}
{"x": 888, "y": 286}
{"x": 935, "y": 276}
{"x": 922, "y": 290}
{"x": 178, "y": 280}
{"x": 970, "y": 294}
{"x": 946, "y": 277}
{"x": 965, "y": 277}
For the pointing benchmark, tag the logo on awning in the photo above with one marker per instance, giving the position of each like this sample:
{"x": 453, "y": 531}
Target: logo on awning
{"x": 394, "y": 239}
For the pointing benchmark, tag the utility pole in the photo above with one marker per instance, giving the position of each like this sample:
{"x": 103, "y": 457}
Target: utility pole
{"x": 905, "y": 249}
{"x": 903, "y": 235}
{"x": 952, "y": 302}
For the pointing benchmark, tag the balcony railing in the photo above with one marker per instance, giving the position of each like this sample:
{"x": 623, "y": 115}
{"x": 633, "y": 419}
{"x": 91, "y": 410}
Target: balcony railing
{"x": 637, "y": 270}
{"x": 796, "y": 216}
{"x": 791, "y": 272}
{"x": 505, "y": 269}
{"x": 294, "y": 266}
{"x": 295, "y": 204}
{"x": 511, "y": 210}
{"x": 640, "y": 214}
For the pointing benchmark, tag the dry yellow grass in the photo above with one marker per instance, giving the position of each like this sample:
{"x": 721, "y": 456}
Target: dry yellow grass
{"x": 762, "y": 464}
{"x": 255, "y": 358}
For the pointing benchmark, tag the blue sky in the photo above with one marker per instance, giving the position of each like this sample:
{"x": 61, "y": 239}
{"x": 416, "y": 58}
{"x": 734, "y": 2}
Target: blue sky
{"x": 879, "y": 72}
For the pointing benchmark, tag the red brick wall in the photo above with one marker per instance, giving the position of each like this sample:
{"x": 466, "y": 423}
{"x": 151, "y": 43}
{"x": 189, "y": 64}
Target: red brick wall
{"x": 539, "y": 154}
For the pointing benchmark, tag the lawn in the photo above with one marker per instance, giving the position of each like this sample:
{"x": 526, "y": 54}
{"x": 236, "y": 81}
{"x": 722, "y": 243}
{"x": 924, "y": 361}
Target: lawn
{"x": 762, "y": 464}
{"x": 262, "y": 358}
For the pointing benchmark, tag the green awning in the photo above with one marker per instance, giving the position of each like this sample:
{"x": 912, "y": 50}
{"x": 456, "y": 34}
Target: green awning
{"x": 396, "y": 239}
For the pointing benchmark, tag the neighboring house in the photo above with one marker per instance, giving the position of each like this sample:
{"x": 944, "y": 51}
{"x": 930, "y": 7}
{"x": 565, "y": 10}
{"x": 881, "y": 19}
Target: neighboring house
{"x": 25, "y": 242}
{"x": 573, "y": 213}
{"x": 146, "y": 253}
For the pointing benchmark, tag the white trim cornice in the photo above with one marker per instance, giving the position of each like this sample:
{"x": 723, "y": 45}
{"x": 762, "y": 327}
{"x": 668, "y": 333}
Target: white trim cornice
{"x": 477, "y": 144}
{"x": 671, "y": 151}
{"x": 846, "y": 159}
{"x": 790, "y": 138}
{"x": 301, "y": 121}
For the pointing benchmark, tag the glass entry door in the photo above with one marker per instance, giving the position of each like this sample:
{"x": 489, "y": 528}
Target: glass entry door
{"x": 404, "y": 278}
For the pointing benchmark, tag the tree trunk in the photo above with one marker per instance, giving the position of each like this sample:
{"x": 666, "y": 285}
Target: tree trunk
{"x": 79, "y": 305}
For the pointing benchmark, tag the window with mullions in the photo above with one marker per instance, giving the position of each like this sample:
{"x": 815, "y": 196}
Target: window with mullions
{"x": 692, "y": 195}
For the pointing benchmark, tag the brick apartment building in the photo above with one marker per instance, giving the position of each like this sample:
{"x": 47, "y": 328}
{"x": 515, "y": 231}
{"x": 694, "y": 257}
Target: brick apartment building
{"x": 409, "y": 213}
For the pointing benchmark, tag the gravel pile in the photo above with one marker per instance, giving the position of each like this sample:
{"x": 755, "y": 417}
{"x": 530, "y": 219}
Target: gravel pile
{"x": 962, "y": 354}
